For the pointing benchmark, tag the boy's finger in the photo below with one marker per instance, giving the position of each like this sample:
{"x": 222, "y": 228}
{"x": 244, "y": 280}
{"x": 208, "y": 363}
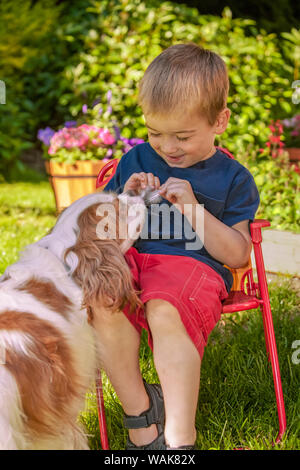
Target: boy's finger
{"x": 164, "y": 187}
{"x": 138, "y": 179}
{"x": 150, "y": 179}
{"x": 143, "y": 179}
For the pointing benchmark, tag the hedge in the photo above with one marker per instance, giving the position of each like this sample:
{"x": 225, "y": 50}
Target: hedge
{"x": 56, "y": 58}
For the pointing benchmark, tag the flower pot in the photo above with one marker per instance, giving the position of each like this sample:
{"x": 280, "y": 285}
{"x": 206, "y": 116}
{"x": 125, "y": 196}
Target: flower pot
{"x": 72, "y": 181}
{"x": 294, "y": 153}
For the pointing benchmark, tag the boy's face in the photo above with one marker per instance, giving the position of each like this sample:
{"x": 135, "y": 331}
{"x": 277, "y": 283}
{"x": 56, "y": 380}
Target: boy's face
{"x": 183, "y": 140}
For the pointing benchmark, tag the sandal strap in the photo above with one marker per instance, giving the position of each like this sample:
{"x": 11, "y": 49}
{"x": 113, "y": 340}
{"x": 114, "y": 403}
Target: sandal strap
{"x": 187, "y": 447}
{"x": 157, "y": 444}
{"x": 155, "y": 413}
{"x": 136, "y": 422}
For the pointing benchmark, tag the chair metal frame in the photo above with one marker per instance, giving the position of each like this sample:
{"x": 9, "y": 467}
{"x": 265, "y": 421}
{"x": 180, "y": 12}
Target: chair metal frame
{"x": 246, "y": 294}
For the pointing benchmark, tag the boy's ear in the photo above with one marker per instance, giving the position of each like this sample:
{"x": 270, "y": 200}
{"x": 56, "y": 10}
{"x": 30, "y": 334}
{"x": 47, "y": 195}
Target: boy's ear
{"x": 222, "y": 121}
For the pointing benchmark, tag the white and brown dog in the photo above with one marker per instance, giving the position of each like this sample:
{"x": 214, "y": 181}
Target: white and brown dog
{"x": 48, "y": 355}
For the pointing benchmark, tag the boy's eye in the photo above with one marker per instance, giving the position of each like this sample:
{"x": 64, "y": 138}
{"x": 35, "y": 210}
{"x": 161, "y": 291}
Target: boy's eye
{"x": 154, "y": 135}
{"x": 179, "y": 138}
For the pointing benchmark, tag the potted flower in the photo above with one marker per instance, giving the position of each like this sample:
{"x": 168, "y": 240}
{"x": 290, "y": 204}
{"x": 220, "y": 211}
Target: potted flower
{"x": 291, "y": 132}
{"x": 77, "y": 151}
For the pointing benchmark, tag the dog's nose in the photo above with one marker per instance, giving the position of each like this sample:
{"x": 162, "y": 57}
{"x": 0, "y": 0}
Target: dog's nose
{"x": 147, "y": 196}
{"x": 131, "y": 198}
{"x": 150, "y": 196}
{"x": 131, "y": 193}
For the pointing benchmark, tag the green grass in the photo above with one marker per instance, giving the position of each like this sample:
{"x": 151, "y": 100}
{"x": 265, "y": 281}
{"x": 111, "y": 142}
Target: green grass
{"x": 236, "y": 402}
{"x": 27, "y": 212}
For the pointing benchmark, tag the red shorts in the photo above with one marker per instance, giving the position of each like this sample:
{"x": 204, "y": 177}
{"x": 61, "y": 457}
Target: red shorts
{"x": 193, "y": 287}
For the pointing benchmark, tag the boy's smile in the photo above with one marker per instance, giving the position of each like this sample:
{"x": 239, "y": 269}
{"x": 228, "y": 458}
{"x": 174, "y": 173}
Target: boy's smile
{"x": 182, "y": 140}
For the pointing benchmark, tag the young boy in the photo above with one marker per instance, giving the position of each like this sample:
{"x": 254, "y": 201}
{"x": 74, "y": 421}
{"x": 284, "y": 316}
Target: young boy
{"x": 183, "y": 95}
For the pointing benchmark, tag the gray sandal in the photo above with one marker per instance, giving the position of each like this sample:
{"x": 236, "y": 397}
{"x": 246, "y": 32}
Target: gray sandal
{"x": 188, "y": 447}
{"x": 154, "y": 415}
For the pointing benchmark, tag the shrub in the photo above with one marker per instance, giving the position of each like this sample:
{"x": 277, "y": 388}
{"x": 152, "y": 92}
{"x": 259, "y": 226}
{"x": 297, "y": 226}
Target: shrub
{"x": 22, "y": 32}
{"x": 36, "y": 43}
{"x": 78, "y": 51}
{"x": 89, "y": 47}
{"x": 126, "y": 36}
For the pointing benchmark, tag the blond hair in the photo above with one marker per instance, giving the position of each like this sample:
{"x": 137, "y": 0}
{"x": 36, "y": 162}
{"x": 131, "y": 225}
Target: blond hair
{"x": 185, "y": 78}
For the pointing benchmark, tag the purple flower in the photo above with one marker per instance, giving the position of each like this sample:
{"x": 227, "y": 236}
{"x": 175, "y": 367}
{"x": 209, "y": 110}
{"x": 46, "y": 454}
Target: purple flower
{"x": 69, "y": 124}
{"x": 84, "y": 108}
{"x": 96, "y": 101}
{"x": 117, "y": 132}
{"x": 108, "y": 96}
{"x": 44, "y": 135}
{"x": 100, "y": 111}
{"x": 132, "y": 142}
{"x": 287, "y": 122}
{"x": 136, "y": 141}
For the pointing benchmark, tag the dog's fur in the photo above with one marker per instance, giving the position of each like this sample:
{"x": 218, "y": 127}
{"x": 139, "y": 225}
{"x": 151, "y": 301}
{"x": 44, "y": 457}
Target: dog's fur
{"x": 48, "y": 350}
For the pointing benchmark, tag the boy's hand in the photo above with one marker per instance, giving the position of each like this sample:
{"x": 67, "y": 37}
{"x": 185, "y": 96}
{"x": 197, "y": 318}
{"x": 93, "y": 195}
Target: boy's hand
{"x": 139, "y": 181}
{"x": 178, "y": 192}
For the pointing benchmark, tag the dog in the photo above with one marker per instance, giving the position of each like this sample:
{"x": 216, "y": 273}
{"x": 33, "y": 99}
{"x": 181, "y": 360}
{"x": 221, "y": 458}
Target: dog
{"x": 48, "y": 353}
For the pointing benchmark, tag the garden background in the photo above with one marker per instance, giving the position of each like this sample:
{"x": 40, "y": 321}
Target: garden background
{"x": 59, "y": 58}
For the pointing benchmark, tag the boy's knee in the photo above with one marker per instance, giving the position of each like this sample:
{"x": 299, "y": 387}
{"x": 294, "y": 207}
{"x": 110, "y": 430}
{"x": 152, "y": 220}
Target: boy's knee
{"x": 162, "y": 314}
{"x": 107, "y": 317}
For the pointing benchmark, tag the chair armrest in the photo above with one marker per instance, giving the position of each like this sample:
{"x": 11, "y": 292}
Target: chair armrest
{"x": 255, "y": 229}
{"x": 112, "y": 164}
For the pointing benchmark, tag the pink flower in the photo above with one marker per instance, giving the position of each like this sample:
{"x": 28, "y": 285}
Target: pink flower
{"x": 80, "y": 137}
{"x": 106, "y": 136}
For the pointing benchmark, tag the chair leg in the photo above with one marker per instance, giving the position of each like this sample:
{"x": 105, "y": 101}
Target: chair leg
{"x": 273, "y": 358}
{"x": 101, "y": 412}
{"x": 268, "y": 325}
{"x": 265, "y": 333}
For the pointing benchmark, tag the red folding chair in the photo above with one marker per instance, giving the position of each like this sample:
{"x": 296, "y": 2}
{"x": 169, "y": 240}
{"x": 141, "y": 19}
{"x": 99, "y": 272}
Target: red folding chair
{"x": 246, "y": 294}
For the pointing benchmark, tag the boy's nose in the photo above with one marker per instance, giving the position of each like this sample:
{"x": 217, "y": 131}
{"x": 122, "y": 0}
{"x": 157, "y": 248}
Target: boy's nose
{"x": 169, "y": 146}
{"x": 169, "y": 149}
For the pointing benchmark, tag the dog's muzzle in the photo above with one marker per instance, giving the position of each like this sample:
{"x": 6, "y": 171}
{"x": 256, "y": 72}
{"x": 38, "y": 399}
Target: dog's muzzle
{"x": 148, "y": 195}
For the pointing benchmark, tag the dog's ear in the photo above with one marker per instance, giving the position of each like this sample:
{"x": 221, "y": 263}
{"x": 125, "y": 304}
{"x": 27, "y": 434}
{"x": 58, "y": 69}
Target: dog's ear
{"x": 101, "y": 271}
{"x": 104, "y": 276}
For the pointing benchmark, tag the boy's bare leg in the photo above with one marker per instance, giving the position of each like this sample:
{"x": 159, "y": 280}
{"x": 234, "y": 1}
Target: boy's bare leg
{"x": 118, "y": 345}
{"x": 177, "y": 362}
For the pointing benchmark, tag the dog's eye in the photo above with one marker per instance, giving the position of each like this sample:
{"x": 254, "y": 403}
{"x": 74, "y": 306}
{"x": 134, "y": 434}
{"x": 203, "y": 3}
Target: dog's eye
{"x": 131, "y": 193}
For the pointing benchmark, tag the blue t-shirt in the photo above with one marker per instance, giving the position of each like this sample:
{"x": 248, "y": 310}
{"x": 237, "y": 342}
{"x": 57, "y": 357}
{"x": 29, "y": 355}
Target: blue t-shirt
{"x": 224, "y": 186}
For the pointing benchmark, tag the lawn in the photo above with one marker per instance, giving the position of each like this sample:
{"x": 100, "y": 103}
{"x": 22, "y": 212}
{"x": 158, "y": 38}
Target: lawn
{"x": 236, "y": 403}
